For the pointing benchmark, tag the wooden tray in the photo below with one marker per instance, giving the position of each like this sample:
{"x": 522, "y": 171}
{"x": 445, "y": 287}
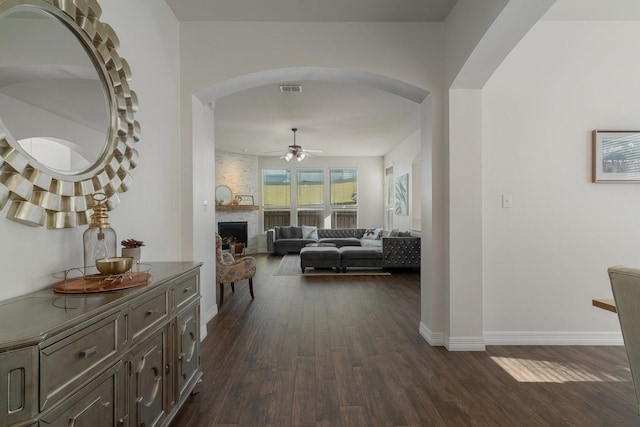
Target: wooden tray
{"x": 82, "y": 285}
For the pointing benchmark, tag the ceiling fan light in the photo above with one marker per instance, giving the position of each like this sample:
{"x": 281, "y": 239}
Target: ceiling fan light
{"x": 300, "y": 157}
{"x": 288, "y": 156}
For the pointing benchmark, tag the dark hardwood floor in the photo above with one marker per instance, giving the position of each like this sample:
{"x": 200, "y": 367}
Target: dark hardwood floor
{"x": 345, "y": 351}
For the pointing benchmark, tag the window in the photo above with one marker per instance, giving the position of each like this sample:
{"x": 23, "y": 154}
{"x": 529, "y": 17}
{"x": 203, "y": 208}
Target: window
{"x": 319, "y": 201}
{"x": 310, "y": 190}
{"x": 276, "y": 197}
{"x": 344, "y": 198}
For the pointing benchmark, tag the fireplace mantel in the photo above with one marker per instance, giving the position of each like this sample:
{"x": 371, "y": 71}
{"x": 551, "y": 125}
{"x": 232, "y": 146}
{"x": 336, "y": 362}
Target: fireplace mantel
{"x": 236, "y": 208}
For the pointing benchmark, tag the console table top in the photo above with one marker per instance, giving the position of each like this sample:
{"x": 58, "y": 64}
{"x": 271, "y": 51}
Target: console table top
{"x": 30, "y": 318}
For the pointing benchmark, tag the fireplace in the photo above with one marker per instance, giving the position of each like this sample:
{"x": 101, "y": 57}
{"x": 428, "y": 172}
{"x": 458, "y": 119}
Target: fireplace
{"x": 236, "y": 229}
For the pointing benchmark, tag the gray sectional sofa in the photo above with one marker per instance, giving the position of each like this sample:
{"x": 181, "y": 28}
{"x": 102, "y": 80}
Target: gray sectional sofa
{"x": 396, "y": 251}
{"x": 284, "y": 240}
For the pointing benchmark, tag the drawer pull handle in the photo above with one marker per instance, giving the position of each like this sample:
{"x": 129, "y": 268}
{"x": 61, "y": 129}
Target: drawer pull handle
{"x": 85, "y": 354}
{"x": 181, "y": 356}
{"x": 152, "y": 312}
{"x": 185, "y": 290}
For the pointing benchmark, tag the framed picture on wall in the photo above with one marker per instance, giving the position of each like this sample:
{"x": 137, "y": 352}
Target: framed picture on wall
{"x": 616, "y": 156}
{"x": 245, "y": 200}
{"x": 402, "y": 195}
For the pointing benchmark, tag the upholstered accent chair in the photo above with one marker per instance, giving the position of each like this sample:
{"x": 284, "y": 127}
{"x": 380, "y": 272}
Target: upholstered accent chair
{"x": 231, "y": 270}
{"x": 625, "y": 284}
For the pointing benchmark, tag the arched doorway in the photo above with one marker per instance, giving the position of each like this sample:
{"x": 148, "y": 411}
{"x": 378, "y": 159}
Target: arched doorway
{"x": 205, "y": 100}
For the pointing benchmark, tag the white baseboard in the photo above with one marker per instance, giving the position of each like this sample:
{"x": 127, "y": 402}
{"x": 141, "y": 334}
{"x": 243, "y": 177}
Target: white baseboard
{"x": 452, "y": 344}
{"x": 552, "y": 338}
{"x": 207, "y": 318}
{"x": 434, "y": 339}
{"x": 519, "y": 338}
{"x": 465, "y": 344}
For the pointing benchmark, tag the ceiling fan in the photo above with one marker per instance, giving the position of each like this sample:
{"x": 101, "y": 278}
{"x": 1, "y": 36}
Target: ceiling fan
{"x": 296, "y": 151}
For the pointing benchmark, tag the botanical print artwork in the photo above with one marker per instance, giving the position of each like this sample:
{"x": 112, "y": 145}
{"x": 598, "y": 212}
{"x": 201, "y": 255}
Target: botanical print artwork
{"x": 402, "y": 195}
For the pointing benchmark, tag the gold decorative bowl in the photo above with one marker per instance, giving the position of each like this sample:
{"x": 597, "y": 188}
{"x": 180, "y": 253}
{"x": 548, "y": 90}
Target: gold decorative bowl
{"x": 114, "y": 265}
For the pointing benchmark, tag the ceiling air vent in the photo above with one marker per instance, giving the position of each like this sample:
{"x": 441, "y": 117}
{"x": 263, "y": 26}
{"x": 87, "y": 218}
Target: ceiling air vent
{"x": 290, "y": 88}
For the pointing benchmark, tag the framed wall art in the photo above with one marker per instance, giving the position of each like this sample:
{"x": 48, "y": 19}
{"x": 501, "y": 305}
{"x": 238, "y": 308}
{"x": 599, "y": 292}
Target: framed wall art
{"x": 402, "y": 195}
{"x": 245, "y": 200}
{"x": 616, "y": 156}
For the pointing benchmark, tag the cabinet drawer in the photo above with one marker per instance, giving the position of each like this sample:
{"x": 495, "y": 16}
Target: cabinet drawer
{"x": 147, "y": 314}
{"x": 67, "y": 363}
{"x": 185, "y": 290}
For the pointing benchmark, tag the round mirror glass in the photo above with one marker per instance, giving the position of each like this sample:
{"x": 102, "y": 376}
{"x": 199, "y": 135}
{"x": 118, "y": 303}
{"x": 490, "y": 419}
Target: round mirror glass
{"x": 52, "y": 100}
{"x": 223, "y": 195}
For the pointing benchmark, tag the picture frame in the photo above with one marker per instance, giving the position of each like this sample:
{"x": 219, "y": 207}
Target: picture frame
{"x": 616, "y": 156}
{"x": 402, "y": 195}
{"x": 245, "y": 200}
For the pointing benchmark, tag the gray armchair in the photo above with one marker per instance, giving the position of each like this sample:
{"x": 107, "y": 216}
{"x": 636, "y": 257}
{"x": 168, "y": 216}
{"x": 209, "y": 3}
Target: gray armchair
{"x": 625, "y": 284}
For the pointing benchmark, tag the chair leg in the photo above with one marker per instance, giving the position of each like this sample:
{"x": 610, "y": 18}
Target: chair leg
{"x": 233, "y": 288}
{"x": 251, "y": 286}
{"x": 221, "y": 293}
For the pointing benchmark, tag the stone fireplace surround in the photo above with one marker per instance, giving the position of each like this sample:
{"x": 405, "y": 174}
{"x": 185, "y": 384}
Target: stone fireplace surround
{"x": 250, "y": 217}
{"x": 240, "y": 173}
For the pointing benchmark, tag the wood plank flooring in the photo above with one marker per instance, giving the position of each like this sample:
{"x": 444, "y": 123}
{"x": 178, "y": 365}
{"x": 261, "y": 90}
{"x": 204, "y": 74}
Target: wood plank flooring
{"x": 345, "y": 351}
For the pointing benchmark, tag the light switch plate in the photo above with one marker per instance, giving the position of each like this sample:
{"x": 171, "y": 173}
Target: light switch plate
{"x": 507, "y": 201}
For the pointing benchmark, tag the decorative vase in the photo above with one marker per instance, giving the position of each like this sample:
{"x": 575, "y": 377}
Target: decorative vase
{"x": 99, "y": 240}
{"x": 132, "y": 252}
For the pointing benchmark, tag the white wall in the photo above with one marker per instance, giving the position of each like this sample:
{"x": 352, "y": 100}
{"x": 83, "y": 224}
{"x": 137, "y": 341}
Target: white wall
{"x": 198, "y": 243}
{"x": 547, "y": 257}
{"x": 148, "y": 34}
{"x": 402, "y": 158}
{"x": 477, "y": 39}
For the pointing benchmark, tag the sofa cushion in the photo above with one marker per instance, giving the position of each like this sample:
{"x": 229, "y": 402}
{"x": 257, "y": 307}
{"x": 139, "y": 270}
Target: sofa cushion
{"x": 357, "y": 253}
{"x": 369, "y": 243}
{"x": 309, "y": 232}
{"x": 324, "y": 233}
{"x": 289, "y": 232}
{"x": 341, "y": 241}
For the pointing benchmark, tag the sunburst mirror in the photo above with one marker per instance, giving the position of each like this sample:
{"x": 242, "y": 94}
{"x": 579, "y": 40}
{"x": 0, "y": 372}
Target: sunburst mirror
{"x": 67, "y": 127}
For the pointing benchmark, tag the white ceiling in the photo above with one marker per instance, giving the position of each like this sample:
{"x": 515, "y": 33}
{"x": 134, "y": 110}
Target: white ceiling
{"x": 337, "y": 118}
{"x": 312, "y": 10}
{"x": 333, "y": 117}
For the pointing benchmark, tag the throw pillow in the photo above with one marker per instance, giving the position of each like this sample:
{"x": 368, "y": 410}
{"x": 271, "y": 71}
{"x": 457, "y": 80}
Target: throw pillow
{"x": 372, "y": 233}
{"x": 394, "y": 233}
{"x": 285, "y": 233}
{"x": 309, "y": 232}
{"x": 404, "y": 234}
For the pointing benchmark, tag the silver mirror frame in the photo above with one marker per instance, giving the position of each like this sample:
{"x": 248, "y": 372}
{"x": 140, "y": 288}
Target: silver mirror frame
{"x": 38, "y": 195}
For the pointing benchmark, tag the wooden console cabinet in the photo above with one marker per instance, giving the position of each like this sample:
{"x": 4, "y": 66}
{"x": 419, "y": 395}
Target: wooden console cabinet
{"x": 121, "y": 358}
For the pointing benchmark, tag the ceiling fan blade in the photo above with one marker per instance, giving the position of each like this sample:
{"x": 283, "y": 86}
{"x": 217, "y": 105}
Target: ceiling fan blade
{"x": 312, "y": 151}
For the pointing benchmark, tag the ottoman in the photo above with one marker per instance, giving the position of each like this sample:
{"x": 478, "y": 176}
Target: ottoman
{"x": 360, "y": 256}
{"x": 320, "y": 257}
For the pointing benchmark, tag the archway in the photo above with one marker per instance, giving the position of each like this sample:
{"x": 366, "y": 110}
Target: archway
{"x": 208, "y": 96}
